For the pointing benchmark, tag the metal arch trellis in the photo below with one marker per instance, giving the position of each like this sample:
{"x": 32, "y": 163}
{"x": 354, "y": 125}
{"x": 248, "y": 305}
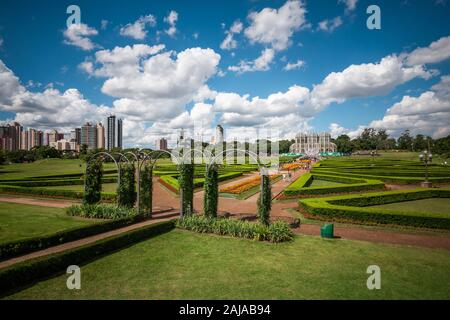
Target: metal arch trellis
{"x": 110, "y": 155}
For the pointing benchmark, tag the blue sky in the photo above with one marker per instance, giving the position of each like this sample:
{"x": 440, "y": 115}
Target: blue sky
{"x": 40, "y": 62}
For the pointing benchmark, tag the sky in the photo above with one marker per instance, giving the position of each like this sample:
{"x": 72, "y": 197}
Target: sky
{"x": 288, "y": 66}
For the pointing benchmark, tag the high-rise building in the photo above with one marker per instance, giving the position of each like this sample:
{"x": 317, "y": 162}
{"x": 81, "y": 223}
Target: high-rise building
{"x": 35, "y": 138}
{"x": 75, "y": 135}
{"x": 100, "y": 136}
{"x": 113, "y": 132}
{"x": 53, "y": 136}
{"x": 10, "y": 136}
{"x": 161, "y": 144}
{"x": 89, "y": 136}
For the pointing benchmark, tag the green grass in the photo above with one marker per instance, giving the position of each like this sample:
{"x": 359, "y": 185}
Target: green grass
{"x": 324, "y": 183}
{"x": 186, "y": 265}
{"x": 433, "y": 205}
{"x": 18, "y": 221}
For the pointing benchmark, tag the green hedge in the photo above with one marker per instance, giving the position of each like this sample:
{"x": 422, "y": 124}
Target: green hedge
{"x": 100, "y": 211}
{"x": 300, "y": 187}
{"x": 354, "y": 208}
{"x": 108, "y": 196}
{"x": 56, "y": 176}
{"x": 54, "y": 182}
{"x": 278, "y": 231}
{"x": 25, "y": 273}
{"x": 172, "y": 180}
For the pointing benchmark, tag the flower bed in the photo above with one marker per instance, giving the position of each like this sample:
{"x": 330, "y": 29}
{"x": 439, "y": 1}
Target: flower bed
{"x": 292, "y": 166}
{"x": 246, "y": 188}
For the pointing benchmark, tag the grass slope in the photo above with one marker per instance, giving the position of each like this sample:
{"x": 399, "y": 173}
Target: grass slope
{"x": 186, "y": 265}
{"x": 18, "y": 221}
{"x": 433, "y": 205}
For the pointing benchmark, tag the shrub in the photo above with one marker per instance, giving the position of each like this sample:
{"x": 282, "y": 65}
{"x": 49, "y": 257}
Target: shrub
{"x": 100, "y": 211}
{"x": 146, "y": 189}
{"x": 265, "y": 201}
{"x": 211, "y": 191}
{"x": 93, "y": 182}
{"x": 126, "y": 193}
{"x": 277, "y": 232}
{"x": 186, "y": 182}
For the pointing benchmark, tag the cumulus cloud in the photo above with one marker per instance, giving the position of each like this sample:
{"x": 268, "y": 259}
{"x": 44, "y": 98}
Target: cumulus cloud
{"x": 262, "y": 63}
{"x": 364, "y": 80}
{"x": 229, "y": 42}
{"x": 330, "y": 25}
{"x": 436, "y": 52}
{"x": 275, "y": 27}
{"x": 78, "y": 35}
{"x": 137, "y": 30}
{"x": 171, "y": 19}
{"x": 294, "y": 65}
{"x": 151, "y": 85}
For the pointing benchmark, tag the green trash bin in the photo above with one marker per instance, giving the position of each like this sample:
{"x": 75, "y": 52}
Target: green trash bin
{"x": 327, "y": 231}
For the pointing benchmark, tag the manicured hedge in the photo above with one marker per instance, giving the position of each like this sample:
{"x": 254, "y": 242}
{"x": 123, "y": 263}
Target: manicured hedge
{"x": 300, "y": 187}
{"x": 54, "y": 182}
{"x": 20, "y": 247}
{"x": 278, "y": 231}
{"x": 109, "y": 196}
{"x": 57, "y": 176}
{"x": 25, "y": 273}
{"x": 354, "y": 208}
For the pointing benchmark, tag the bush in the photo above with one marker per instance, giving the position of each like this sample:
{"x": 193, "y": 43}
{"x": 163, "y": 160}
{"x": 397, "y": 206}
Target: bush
{"x": 126, "y": 191}
{"x": 265, "y": 201}
{"x": 277, "y": 232}
{"x": 146, "y": 189}
{"x": 100, "y": 211}
{"x": 211, "y": 192}
{"x": 353, "y": 208}
{"x": 27, "y": 272}
{"x": 93, "y": 182}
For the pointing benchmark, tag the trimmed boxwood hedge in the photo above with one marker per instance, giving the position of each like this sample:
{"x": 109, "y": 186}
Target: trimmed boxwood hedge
{"x": 300, "y": 187}
{"x": 108, "y": 196}
{"x": 354, "y": 208}
{"x": 54, "y": 182}
{"x": 25, "y": 273}
{"x": 19, "y": 247}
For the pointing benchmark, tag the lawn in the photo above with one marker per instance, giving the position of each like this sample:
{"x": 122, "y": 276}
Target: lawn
{"x": 18, "y": 221}
{"x": 186, "y": 265}
{"x": 325, "y": 183}
{"x": 433, "y": 205}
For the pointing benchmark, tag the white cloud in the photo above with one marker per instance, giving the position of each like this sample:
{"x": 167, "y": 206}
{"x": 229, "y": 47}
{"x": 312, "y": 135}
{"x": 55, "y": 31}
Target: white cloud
{"x": 78, "y": 35}
{"x": 137, "y": 30}
{"x": 436, "y": 52}
{"x": 330, "y": 25}
{"x": 364, "y": 80}
{"x": 350, "y": 5}
{"x": 150, "y": 85}
{"x": 262, "y": 63}
{"x": 171, "y": 19}
{"x": 275, "y": 27}
{"x": 229, "y": 42}
{"x": 294, "y": 66}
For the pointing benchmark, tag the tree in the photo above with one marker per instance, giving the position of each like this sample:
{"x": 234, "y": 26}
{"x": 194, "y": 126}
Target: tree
{"x": 265, "y": 200}
{"x": 368, "y": 139}
{"x": 405, "y": 141}
{"x": 186, "y": 182}
{"x": 420, "y": 143}
{"x": 146, "y": 190}
{"x": 211, "y": 195}
{"x": 381, "y": 138}
{"x": 284, "y": 145}
{"x": 93, "y": 182}
{"x": 343, "y": 144}
{"x": 126, "y": 193}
